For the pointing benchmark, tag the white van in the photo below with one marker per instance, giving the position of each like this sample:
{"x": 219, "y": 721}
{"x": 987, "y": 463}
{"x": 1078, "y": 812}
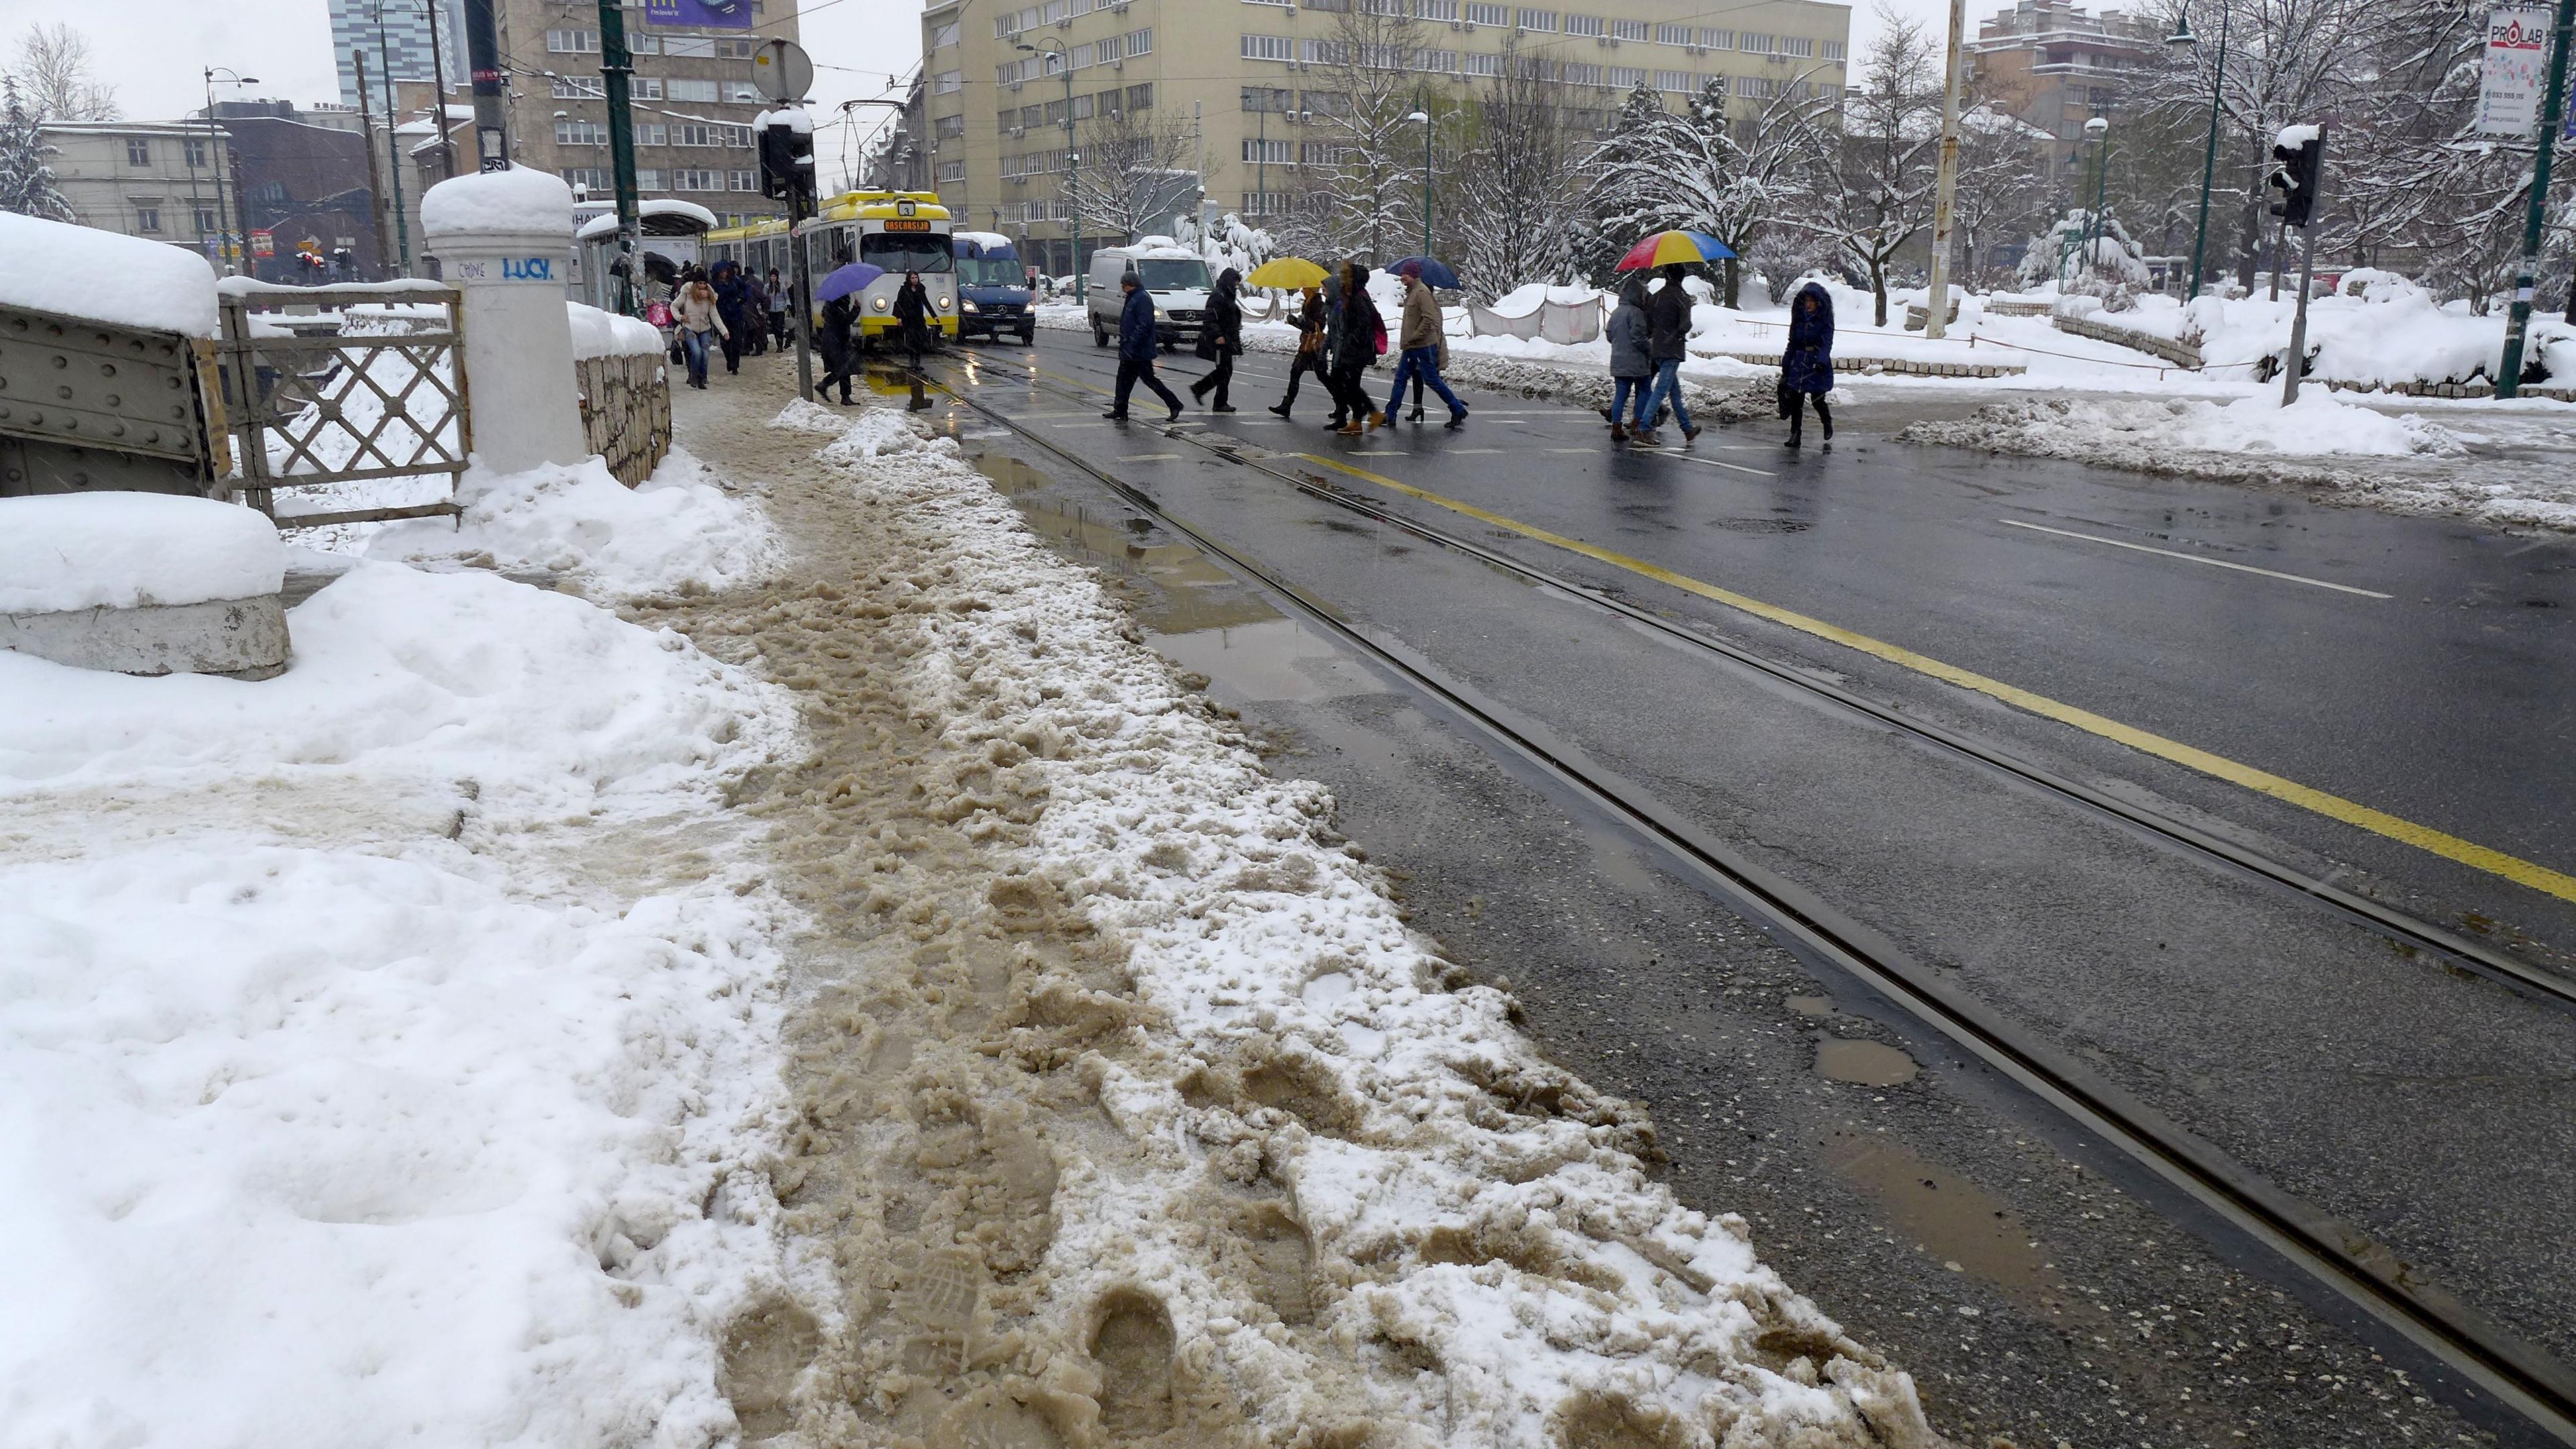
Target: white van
{"x": 1176, "y": 276}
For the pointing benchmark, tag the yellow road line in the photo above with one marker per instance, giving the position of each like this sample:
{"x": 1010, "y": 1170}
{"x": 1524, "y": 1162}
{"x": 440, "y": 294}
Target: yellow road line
{"x": 2334, "y": 807}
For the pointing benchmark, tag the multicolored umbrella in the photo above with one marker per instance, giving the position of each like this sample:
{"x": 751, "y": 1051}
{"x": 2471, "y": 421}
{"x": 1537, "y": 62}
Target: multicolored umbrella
{"x": 1295, "y": 274}
{"x": 1667, "y": 247}
{"x": 1435, "y": 273}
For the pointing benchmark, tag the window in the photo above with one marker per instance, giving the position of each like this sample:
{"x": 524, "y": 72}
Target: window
{"x": 649, "y": 178}
{"x": 1752, "y": 44}
{"x": 1032, "y": 115}
{"x": 948, "y": 126}
{"x": 743, "y": 92}
{"x": 1264, "y": 203}
{"x": 689, "y": 47}
{"x": 1540, "y": 21}
{"x": 694, "y": 133}
{"x": 645, "y": 88}
{"x": 1141, "y": 98}
{"x": 206, "y": 220}
{"x": 1328, "y": 103}
{"x": 640, "y": 44}
{"x": 1627, "y": 77}
{"x": 1676, "y": 80}
{"x": 690, "y": 90}
{"x": 1140, "y": 42}
{"x": 692, "y": 179}
{"x": 597, "y": 178}
{"x": 197, "y": 156}
{"x": 573, "y": 42}
{"x": 1325, "y": 52}
{"x": 580, "y": 133}
{"x": 948, "y": 83}
{"x": 736, "y": 49}
{"x": 1055, "y": 113}
{"x": 1834, "y": 50}
{"x": 138, "y": 152}
{"x": 1480, "y": 14}
{"x": 1265, "y": 2}
{"x": 1009, "y": 72}
{"x": 579, "y": 88}
{"x": 1275, "y": 153}
{"x": 742, "y": 181}
{"x": 1385, "y": 57}
{"x": 1716, "y": 39}
{"x": 1266, "y": 98}
{"x": 1437, "y": 62}
{"x": 1580, "y": 73}
{"x": 1627, "y": 30}
{"x": 1481, "y": 65}
{"x": 1583, "y": 25}
{"x": 1676, "y": 35}
{"x": 146, "y": 218}
{"x": 944, "y": 33}
{"x": 1269, "y": 47}
{"x": 1436, "y": 9}
{"x": 1326, "y": 153}
{"x": 1797, "y": 45}
{"x": 1081, "y": 57}
{"x": 1082, "y": 107}
{"x": 652, "y": 133}
{"x": 1753, "y": 86}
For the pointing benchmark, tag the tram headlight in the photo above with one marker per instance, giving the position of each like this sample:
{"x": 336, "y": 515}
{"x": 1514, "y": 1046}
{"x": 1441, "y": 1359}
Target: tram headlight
{"x": 879, "y": 304}
{"x": 940, "y": 302}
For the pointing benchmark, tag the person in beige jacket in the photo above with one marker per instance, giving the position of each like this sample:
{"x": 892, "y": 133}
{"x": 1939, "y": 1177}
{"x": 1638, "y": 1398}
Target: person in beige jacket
{"x": 1420, "y": 338}
{"x": 698, "y": 318}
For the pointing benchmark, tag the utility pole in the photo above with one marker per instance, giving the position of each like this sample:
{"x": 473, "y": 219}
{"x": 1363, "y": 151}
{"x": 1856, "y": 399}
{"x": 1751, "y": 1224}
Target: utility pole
{"x": 2209, "y": 156}
{"x": 375, "y": 174}
{"x": 438, "y": 81}
{"x": 616, "y": 70}
{"x": 1945, "y": 185}
{"x": 2552, "y": 107}
{"x": 393, "y": 136}
{"x": 483, "y": 58}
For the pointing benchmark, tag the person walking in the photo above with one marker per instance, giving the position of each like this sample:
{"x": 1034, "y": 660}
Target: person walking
{"x": 1329, "y": 349}
{"x": 733, "y": 304}
{"x": 1137, "y": 348}
{"x": 1420, "y": 339}
{"x": 1668, "y": 319}
{"x": 778, "y": 300}
{"x": 755, "y": 314}
{"x": 699, "y": 316}
{"x": 1310, "y": 347}
{"x": 840, "y": 353}
{"x": 1632, "y": 360}
{"x": 1222, "y": 339}
{"x": 1362, "y": 337}
{"x": 1807, "y": 366}
{"x": 912, "y": 316}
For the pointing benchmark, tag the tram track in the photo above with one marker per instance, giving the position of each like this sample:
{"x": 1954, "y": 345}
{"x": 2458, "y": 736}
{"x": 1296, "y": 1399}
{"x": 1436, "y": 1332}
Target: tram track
{"x": 2366, "y": 1272}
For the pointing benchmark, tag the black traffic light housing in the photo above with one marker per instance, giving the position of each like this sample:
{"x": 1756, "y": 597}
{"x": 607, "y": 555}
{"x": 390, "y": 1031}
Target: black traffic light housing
{"x": 2297, "y": 176}
{"x": 787, "y": 164}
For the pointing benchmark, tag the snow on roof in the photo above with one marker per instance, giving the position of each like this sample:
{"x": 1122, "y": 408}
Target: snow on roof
{"x": 988, "y": 240}
{"x": 795, "y": 118}
{"x": 116, "y": 550}
{"x": 80, "y": 271}
{"x": 600, "y": 226}
{"x": 2296, "y": 136}
{"x": 519, "y": 199}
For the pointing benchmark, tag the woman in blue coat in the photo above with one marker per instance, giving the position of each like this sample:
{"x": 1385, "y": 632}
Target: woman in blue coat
{"x": 1807, "y": 367}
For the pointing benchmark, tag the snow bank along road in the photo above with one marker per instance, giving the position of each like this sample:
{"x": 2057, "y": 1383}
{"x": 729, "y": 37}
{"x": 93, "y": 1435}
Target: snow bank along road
{"x": 2295, "y": 1041}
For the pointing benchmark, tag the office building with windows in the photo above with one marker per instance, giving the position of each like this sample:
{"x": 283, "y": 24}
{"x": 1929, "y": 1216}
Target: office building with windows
{"x": 1250, "y": 78}
{"x": 152, "y": 179}
{"x": 2057, "y": 66}
{"x": 395, "y": 36}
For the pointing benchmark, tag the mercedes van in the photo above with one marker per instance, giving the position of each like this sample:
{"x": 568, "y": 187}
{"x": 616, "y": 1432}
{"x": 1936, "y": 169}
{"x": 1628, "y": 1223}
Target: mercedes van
{"x": 1176, "y": 276}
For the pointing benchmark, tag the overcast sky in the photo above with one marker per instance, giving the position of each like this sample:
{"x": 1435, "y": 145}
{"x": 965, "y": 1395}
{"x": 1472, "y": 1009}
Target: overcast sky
{"x": 155, "y": 51}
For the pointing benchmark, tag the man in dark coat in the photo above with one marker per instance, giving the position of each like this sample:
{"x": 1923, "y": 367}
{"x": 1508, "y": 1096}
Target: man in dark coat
{"x": 1807, "y": 367}
{"x": 1137, "y": 348}
{"x": 1668, "y": 325}
{"x": 840, "y": 355}
{"x": 1221, "y": 339}
{"x": 1329, "y": 348}
{"x": 1355, "y": 349}
{"x": 733, "y": 304}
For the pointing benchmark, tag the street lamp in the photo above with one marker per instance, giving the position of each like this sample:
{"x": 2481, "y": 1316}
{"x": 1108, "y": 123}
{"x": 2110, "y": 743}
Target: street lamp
{"x": 223, "y": 226}
{"x": 1422, "y": 118}
{"x": 1072, "y": 156}
{"x": 2098, "y": 131}
{"x": 2209, "y": 159}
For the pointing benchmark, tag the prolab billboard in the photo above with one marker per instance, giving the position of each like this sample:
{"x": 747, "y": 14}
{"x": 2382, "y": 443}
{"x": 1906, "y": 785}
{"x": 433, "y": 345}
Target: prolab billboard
{"x": 703, "y": 14}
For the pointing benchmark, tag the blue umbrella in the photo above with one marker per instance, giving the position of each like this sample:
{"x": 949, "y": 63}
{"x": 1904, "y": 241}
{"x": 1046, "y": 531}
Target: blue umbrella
{"x": 1435, "y": 273}
{"x": 846, "y": 280}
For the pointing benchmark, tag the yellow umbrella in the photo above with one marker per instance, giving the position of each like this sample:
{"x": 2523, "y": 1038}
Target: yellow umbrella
{"x": 1293, "y": 273}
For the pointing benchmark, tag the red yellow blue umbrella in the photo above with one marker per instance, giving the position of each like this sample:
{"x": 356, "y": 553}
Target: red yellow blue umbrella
{"x": 1667, "y": 247}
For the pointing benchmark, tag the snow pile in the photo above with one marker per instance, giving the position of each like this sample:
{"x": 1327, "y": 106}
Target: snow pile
{"x": 1339, "y": 1151}
{"x": 810, "y": 417}
{"x": 373, "y": 1069}
{"x": 519, "y": 199}
{"x": 81, "y": 271}
{"x": 678, "y": 530}
{"x": 67, "y": 551}
{"x": 2125, "y": 433}
{"x": 596, "y": 333}
{"x": 876, "y": 432}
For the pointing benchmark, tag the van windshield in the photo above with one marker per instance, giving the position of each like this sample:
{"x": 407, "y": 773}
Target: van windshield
{"x": 991, "y": 272}
{"x": 900, "y": 252}
{"x": 1172, "y": 274}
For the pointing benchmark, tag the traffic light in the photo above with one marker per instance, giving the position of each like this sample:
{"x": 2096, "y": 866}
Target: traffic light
{"x": 787, "y": 158}
{"x": 2301, "y": 151}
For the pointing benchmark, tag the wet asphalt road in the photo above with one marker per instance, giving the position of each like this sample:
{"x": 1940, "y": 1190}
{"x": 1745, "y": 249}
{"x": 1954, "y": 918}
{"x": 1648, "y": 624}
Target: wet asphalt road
{"x": 2432, "y": 1109}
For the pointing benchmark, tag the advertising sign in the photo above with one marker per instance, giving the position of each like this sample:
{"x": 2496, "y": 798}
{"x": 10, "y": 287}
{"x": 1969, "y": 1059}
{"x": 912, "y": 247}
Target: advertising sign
{"x": 704, "y": 14}
{"x": 262, "y": 244}
{"x": 2510, "y": 79}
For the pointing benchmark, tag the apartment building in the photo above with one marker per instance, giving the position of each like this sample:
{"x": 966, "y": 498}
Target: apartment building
{"x": 1251, "y": 77}
{"x": 395, "y": 34}
{"x": 152, "y": 179}
{"x": 2056, "y": 66}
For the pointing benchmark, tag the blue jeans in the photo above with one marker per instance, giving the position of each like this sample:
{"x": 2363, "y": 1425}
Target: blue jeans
{"x": 1422, "y": 362}
{"x": 1668, "y": 389}
{"x": 694, "y": 343}
{"x": 1621, "y": 387}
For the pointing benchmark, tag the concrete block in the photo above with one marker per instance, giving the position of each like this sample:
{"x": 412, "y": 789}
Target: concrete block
{"x": 241, "y": 638}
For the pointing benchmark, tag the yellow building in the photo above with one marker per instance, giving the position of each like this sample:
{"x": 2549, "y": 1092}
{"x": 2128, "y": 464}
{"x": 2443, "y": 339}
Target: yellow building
{"x": 1006, "y": 94}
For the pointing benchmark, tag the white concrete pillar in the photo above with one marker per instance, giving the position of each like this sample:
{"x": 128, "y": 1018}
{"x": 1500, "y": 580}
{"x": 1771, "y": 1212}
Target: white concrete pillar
{"x": 504, "y": 239}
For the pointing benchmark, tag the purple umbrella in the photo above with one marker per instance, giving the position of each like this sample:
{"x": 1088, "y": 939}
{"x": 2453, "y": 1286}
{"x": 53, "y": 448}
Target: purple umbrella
{"x": 846, "y": 280}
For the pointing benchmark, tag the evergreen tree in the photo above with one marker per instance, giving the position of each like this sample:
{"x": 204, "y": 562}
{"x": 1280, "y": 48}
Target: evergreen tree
{"x": 26, "y": 182}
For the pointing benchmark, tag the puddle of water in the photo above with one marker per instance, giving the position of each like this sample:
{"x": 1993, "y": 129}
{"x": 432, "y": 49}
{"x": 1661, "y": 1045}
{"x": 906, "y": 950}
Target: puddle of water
{"x": 1274, "y": 659}
{"x": 1010, "y": 476}
{"x": 1811, "y": 1005}
{"x": 1946, "y": 1216}
{"x": 1863, "y": 1063}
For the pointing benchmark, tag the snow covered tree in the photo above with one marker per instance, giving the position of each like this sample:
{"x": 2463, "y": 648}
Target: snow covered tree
{"x": 1703, "y": 170}
{"x": 1517, "y": 167}
{"x": 2086, "y": 258}
{"x": 2003, "y": 181}
{"x": 1878, "y": 198}
{"x": 53, "y": 70}
{"x": 1135, "y": 174}
{"x": 1362, "y": 151}
{"x": 26, "y": 181}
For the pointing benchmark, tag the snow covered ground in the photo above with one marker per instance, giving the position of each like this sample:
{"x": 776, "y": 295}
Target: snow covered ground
{"x": 386, "y": 1048}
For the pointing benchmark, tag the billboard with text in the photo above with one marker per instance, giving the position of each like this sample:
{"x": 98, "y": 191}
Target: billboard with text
{"x": 704, "y": 14}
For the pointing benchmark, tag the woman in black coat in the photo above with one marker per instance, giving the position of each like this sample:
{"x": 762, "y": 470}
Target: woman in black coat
{"x": 912, "y": 315}
{"x": 1355, "y": 349}
{"x": 1310, "y": 348}
{"x": 1807, "y": 367}
{"x": 1222, "y": 339}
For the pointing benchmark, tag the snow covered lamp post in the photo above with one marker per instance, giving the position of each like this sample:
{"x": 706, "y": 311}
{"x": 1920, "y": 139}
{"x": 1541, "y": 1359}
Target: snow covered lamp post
{"x": 2098, "y": 131}
{"x": 504, "y": 240}
{"x": 1422, "y": 118}
{"x": 2209, "y": 156}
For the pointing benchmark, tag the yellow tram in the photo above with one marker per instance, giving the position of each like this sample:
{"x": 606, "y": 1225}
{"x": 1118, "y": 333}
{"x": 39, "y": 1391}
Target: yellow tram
{"x": 901, "y": 231}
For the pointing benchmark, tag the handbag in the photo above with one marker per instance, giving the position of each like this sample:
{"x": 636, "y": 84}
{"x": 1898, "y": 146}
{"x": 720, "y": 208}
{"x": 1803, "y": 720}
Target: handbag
{"x": 657, "y": 313}
{"x": 1207, "y": 345}
{"x": 1788, "y": 397}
